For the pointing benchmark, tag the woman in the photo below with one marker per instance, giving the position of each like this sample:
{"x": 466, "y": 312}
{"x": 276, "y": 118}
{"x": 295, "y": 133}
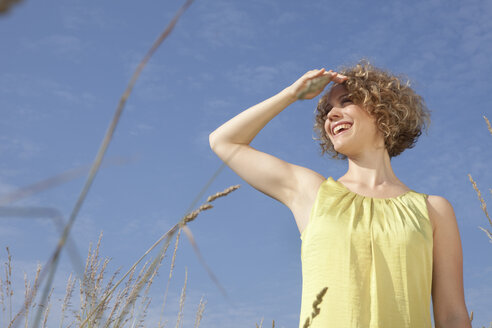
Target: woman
{"x": 381, "y": 248}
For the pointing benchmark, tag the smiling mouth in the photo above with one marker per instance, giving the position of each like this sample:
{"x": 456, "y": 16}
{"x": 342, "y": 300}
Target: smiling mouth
{"x": 342, "y": 131}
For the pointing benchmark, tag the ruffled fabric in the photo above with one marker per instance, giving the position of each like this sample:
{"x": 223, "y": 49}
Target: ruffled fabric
{"x": 373, "y": 254}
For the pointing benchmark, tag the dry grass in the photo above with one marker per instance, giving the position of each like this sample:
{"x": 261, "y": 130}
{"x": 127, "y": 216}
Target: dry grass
{"x": 316, "y": 309}
{"x": 101, "y": 303}
{"x": 483, "y": 205}
{"x": 54, "y": 259}
{"x": 6, "y": 5}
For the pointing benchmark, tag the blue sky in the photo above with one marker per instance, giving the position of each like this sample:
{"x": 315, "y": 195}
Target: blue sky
{"x": 65, "y": 65}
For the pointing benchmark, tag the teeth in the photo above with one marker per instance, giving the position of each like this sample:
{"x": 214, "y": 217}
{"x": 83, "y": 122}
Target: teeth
{"x": 341, "y": 126}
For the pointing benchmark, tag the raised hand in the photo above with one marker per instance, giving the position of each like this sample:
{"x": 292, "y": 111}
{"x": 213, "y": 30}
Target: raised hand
{"x": 313, "y": 82}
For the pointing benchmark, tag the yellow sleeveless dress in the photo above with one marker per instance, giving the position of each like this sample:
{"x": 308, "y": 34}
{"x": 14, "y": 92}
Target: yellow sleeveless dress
{"x": 373, "y": 254}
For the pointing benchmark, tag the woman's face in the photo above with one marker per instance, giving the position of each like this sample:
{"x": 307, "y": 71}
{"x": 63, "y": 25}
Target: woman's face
{"x": 362, "y": 136}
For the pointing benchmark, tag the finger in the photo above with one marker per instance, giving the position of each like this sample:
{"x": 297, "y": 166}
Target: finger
{"x": 338, "y": 74}
{"x": 331, "y": 73}
{"x": 340, "y": 77}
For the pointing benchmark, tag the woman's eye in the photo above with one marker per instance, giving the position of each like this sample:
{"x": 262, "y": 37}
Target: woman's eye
{"x": 346, "y": 100}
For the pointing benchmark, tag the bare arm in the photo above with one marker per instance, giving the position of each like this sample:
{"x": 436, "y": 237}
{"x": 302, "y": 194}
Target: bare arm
{"x": 447, "y": 275}
{"x": 242, "y": 128}
{"x": 268, "y": 174}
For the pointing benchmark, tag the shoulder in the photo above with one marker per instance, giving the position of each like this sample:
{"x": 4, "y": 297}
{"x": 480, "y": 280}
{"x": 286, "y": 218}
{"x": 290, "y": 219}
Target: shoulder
{"x": 440, "y": 211}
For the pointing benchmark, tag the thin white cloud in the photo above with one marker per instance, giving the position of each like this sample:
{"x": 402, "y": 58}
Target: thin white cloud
{"x": 35, "y": 89}
{"x": 67, "y": 46}
{"x": 77, "y": 16}
{"x": 456, "y": 43}
{"x": 151, "y": 84}
{"x": 478, "y": 300}
{"x": 259, "y": 78}
{"x": 21, "y": 148}
{"x": 224, "y": 24}
{"x": 141, "y": 128}
{"x": 217, "y": 106}
{"x": 4, "y": 186}
{"x": 284, "y": 18}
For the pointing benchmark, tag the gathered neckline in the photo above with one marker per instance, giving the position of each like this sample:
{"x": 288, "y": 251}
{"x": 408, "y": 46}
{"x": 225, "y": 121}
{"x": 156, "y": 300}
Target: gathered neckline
{"x": 368, "y": 197}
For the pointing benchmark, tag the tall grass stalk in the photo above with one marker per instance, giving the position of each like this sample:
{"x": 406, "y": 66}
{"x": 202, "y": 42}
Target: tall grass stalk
{"x": 53, "y": 262}
{"x": 101, "y": 303}
{"x": 483, "y": 204}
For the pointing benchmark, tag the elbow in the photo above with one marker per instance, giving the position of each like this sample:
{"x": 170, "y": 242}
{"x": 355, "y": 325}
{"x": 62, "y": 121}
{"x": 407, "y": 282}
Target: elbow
{"x": 455, "y": 322}
{"x": 211, "y": 140}
{"x": 214, "y": 141}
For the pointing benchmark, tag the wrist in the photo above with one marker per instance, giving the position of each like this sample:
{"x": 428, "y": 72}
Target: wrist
{"x": 289, "y": 94}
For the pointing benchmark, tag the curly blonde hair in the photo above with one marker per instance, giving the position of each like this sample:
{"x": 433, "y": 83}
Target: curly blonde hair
{"x": 400, "y": 113}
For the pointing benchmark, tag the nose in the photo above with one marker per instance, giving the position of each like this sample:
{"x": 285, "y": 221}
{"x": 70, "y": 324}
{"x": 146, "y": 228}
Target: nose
{"x": 334, "y": 114}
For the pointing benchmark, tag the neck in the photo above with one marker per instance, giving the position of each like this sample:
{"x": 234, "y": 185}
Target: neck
{"x": 371, "y": 169}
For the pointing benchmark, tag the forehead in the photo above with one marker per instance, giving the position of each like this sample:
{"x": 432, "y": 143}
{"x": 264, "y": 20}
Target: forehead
{"x": 335, "y": 92}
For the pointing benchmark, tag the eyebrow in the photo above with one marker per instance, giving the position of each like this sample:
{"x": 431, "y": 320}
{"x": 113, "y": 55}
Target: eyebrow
{"x": 330, "y": 106}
